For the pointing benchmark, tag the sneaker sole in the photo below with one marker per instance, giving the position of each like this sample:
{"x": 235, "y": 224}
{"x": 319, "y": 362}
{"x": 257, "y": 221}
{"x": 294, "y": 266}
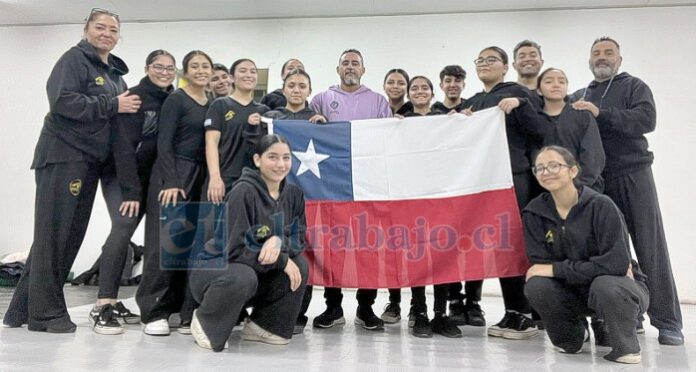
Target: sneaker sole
{"x": 422, "y": 335}
{"x": 629, "y": 359}
{"x": 338, "y": 321}
{"x": 104, "y": 330}
{"x": 459, "y": 335}
{"x": 361, "y": 323}
{"x": 156, "y": 333}
{"x": 390, "y": 319}
{"x": 495, "y": 332}
{"x": 508, "y": 335}
{"x": 256, "y": 338}
{"x": 184, "y": 331}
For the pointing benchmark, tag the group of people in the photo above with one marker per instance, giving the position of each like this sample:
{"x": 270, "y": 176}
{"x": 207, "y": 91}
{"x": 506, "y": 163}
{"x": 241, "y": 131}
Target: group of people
{"x": 581, "y": 170}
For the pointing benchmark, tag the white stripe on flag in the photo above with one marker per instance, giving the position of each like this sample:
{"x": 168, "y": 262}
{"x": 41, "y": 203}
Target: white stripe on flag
{"x": 430, "y": 157}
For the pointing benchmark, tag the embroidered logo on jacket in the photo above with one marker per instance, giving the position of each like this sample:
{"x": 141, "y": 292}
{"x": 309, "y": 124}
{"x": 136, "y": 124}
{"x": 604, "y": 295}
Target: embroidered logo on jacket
{"x": 549, "y": 236}
{"x": 99, "y": 80}
{"x": 262, "y": 232}
{"x": 75, "y": 186}
{"x": 229, "y": 115}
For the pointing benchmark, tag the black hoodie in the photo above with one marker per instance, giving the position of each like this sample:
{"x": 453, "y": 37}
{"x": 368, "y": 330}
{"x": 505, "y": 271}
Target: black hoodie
{"x": 134, "y": 139}
{"x": 440, "y": 108}
{"x": 626, "y": 114}
{"x": 274, "y": 100}
{"x": 590, "y": 242}
{"x": 253, "y": 216}
{"x": 523, "y": 140}
{"x": 82, "y": 92}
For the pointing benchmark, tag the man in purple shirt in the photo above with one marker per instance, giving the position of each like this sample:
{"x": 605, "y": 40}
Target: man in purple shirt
{"x": 348, "y": 101}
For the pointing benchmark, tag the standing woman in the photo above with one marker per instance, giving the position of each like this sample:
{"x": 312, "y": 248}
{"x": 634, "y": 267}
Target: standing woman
{"x": 85, "y": 91}
{"x": 261, "y": 261}
{"x": 124, "y": 184}
{"x": 226, "y": 150}
{"x": 563, "y": 126}
{"x": 177, "y": 176}
{"x": 395, "y": 86}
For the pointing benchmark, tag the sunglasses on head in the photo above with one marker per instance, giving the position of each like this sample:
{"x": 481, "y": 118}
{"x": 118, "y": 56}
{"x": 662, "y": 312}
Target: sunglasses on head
{"x": 97, "y": 11}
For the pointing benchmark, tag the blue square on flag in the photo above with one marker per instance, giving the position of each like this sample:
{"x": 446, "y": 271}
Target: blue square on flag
{"x": 321, "y": 158}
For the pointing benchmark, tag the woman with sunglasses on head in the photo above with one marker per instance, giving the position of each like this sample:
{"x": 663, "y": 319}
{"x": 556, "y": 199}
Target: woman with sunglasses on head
{"x": 125, "y": 183}
{"x": 563, "y": 126}
{"x": 577, "y": 244}
{"x": 260, "y": 263}
{"x": 523, "y": 139}
{"x": 175, "y": 186}
{"x": 85, "y": 92}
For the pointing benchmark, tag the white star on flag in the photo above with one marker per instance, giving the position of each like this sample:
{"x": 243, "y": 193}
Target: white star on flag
{"x": 309, "y": 160}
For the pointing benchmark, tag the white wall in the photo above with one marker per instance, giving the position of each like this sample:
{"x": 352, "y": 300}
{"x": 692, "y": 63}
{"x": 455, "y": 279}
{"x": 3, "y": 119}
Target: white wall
{"x": 655, "y": 42}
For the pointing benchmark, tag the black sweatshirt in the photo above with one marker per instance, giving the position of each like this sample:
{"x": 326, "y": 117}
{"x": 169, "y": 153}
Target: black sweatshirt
{"x": 523, "y": 140}
{"x": 230, "y": 118}
{"x": 576, "y": 131}
{"x": 274, "y": 100}
{"x": 181, "y": 136}
{"x": 590, "y": 242}
{"x": 626, "y": 114}
{"x": 82, "y": 99}
{"x": 134, "y": 138}
{"x": 253, "y": 216}
{"x": 440, "y": 108}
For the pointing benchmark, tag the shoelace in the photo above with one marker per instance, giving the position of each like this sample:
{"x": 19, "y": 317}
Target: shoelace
{"x": 105, "y": 315}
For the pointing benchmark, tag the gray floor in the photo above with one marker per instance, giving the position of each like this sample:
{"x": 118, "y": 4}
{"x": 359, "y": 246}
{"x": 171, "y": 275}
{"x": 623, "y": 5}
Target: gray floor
{"x": 343, "y": 349}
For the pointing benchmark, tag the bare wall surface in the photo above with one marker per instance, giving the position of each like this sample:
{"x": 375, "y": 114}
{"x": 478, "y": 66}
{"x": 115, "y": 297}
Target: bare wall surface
{"x": 656, "y": 46}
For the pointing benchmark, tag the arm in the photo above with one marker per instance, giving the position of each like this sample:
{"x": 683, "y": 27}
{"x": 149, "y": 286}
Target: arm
{"x": 635, "y": 120}
{"x": 126, "y": 130}
{"x": 535, "y": 239}
{"x": 316, "y": 105}
{"x": 384, "y": 108}
{"x": 612, "y": 247}
{"x": 530, "y": 121}
{"x": 295, "y": 239}
{"x": 216, "y": 187}
{"x": 169, "y": 119}
{"x": 591, "y": 153}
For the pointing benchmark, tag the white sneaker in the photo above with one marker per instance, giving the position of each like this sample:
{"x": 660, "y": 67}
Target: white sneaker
{"x": 252, "y": 332}
{"x": 199, "y": 335}
{"x": 157, "y": 328}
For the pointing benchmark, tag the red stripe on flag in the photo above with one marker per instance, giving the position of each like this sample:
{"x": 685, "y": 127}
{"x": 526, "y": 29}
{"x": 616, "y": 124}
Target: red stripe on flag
{"x": 406, "y": 243}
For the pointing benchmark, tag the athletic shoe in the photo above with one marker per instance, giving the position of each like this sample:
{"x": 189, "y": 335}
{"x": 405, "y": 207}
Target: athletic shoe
{"x": 421, "y": 326}
{"x": 639, "y": 327}
{"x": 253, "y": 332}
{"x": 457, "y": 312}
{"x": 586, "y": 338}
{"x": 442, "y": 325}
{"x": 103, "y": 320}
{"x": 329, "y": 318}
{"x": 300, "y": 324}
{"x": 66, "y": 326}
{"x": 498, "y": 329}
{"x": 599, "y": 329}
{"x": 411, "y": 319}
{"x": 367, "y": 319}
{"x": 669, "y": 337}
{"x": 158, "y": 327}
{"x": 626, "y": 358}
{"x": 185, "y": 327}
{"x": 392, "y": 313}
{"x": 514, "y": 326}
{"x": 121, "y": 312}
{"x": 199, "y": 335}
{"x": 474, "y": 314}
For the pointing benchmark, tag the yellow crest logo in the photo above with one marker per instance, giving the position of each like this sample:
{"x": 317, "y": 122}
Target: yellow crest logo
{"x": 99, "y": 80}
{"x": 229, "y": 115}
{"x": 262, "y": 232}
{"x": 549, "y": 236}
{"x": 75, "y": 187}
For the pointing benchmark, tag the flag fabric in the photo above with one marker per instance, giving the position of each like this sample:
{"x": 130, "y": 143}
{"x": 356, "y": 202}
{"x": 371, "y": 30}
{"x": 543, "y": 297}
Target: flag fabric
{"x": 407, "y": 202}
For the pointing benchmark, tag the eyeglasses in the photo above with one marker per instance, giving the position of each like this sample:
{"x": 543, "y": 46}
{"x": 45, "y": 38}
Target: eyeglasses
{"x": 98, "y": 11}
{"x": 163, "y": 69}
{"x": 486, "y": 61}
{"x": 552, "y": 168}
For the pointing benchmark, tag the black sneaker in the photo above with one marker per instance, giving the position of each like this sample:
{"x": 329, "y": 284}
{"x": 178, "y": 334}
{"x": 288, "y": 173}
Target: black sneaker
{"x": 499, "y": 328}
{"x": 103, "y": 320}
{"x": 184, "y": 327}
{"x": 121, "y": 312}
{"x": 457, "y": 312}
{"x": 411, "y": 319}
{"x": 599, "y": 329}
{"x": 392, "y": 313}
{"x": 520, "y": 327}
{"x": 367, "y": 319}
{"x": 421, "y": 326}
{"x": 300, "y": 324}
{"x": 329, "y": 318}
{"x": 670, "y": 337}
{"x": 442, "y": 325}
{"x": 474, "y": 314}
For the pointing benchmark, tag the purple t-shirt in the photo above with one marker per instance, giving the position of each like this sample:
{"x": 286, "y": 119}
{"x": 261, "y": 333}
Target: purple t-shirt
{"x": 338, "y": 105}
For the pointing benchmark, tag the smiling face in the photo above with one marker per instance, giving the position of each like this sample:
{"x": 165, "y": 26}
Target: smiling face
{"x": 492, "y": 70}
{"x": 296, "y": 90}
{"x": 395, "y": 86}
{"x": 161, "y": 71}
{"x": 103, "y": 33}
{"x": 452, "y": 86}
{"x": 557, "y": 175}
{"x": 420, "y": 93}
{"x": 198, "y": 71}
{"x": 245, "y": 76}
{"x": 605, "y": 60}
{"x": 220, "y": 83}
{"x": 350, "y": 69}
{"x": 528, "y": 62}
{"x": 553, "y": 85}
{"x": 275, "y": 163}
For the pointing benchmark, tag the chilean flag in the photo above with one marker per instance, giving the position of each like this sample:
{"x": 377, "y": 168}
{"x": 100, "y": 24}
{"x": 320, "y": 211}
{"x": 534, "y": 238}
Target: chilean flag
{"x": 407, "y": 202}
